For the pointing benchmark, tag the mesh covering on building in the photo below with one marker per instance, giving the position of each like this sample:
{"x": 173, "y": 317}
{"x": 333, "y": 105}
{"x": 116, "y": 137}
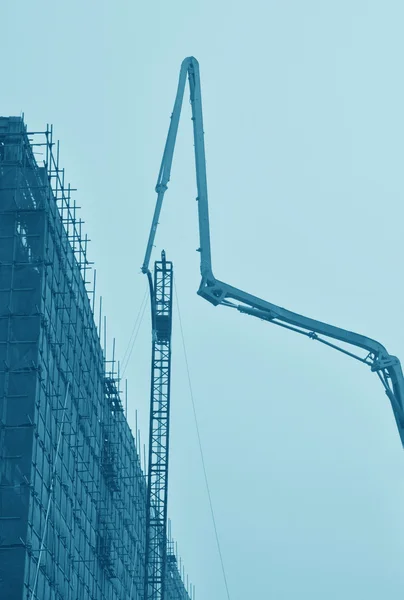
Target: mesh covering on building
{"x": 72, "y": 491}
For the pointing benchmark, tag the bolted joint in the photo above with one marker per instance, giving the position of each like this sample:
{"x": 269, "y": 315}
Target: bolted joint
{"x": 161, "y": 187}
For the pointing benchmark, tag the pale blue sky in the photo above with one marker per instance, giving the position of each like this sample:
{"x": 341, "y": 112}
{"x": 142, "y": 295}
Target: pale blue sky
{"x": 304, "y": 137}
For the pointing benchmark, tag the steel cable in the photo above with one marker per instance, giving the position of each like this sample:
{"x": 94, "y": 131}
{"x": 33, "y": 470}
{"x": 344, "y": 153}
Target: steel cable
{"x": 200, "y": 445}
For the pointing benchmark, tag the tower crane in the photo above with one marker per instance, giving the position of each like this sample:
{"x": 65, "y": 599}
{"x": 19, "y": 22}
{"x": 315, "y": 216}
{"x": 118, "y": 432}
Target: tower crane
{"x": 161, "y": 299}
{"x": 371, "y": 352}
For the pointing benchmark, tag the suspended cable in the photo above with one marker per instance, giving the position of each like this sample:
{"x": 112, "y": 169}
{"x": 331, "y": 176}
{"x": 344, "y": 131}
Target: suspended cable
{"x": 134, "y": 328}
{"x": 134, "y": 334}
{"x": 200, "y": 446}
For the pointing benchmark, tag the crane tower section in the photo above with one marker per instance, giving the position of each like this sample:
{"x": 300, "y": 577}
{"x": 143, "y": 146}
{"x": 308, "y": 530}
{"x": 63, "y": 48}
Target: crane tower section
{"x": 156, "y": 527}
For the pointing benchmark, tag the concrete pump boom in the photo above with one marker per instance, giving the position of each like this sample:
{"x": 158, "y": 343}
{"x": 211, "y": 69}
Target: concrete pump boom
{"x": 387, "y": 367}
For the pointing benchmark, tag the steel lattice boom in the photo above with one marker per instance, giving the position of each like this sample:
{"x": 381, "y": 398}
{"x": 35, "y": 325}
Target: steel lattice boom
{"x": 156, "y": 524}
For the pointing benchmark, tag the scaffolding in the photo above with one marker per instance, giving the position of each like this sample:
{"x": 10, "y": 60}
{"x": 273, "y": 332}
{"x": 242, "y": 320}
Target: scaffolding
{"x": 72, "y": 488}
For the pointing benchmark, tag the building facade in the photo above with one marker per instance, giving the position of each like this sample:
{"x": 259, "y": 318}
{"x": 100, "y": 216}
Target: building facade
{"x": 72, "y": 491}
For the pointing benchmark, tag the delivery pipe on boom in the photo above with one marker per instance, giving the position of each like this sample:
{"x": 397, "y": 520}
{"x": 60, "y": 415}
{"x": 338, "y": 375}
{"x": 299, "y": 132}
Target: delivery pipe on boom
{"x": 375, "y": 355}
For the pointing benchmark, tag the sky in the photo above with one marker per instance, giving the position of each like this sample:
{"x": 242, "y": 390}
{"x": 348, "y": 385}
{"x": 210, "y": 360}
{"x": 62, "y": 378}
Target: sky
{"x": 304, "y": 133}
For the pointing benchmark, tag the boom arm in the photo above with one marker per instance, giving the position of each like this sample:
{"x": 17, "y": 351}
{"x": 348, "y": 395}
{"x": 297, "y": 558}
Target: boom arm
{"x": 387, "y": 367}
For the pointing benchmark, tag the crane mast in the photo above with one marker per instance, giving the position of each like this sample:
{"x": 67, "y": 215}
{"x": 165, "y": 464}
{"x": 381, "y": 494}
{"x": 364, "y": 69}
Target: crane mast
{"x": 161, "y": 290}
{"x": 371, "y": 352}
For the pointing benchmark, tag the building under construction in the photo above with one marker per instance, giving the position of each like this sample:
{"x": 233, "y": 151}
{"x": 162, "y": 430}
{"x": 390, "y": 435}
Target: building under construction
{"x": 72, "y": 489}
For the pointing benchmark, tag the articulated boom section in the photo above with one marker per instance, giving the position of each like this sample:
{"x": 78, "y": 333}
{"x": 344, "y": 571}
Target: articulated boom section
{"x": 156, "y": 525}
{"x": 387, "y": 367}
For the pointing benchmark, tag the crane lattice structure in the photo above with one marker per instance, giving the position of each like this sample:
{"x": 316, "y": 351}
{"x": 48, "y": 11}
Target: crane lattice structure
{"x": 372, "y": 353}
{"x": 161, "y": 290}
